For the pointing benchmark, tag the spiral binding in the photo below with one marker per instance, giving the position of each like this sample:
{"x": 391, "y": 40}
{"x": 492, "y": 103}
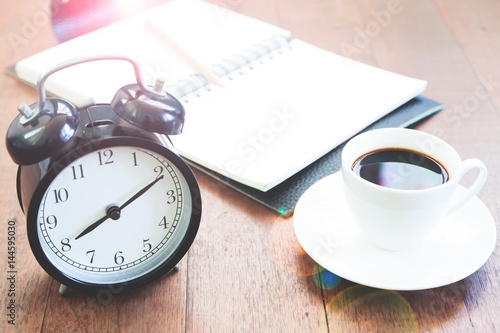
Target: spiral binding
{"x": 235, "y": 64}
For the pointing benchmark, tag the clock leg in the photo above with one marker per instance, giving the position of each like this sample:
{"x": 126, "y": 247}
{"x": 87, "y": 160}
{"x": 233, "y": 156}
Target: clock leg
{"x": 63, "y": 290}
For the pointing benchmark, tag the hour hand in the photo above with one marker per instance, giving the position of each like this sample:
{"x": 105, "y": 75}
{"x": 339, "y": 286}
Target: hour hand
{"x": 112, "y": 212}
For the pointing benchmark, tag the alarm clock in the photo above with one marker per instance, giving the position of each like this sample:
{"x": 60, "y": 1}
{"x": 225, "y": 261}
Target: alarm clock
{"x": 107, "y": 199}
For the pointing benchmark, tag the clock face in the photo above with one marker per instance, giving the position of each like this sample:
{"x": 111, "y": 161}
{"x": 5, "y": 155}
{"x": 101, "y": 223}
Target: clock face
{"x": 115, "y": 215}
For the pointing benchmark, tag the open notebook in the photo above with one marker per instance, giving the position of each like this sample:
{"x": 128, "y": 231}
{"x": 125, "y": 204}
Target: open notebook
{"x": 260, "y": 106}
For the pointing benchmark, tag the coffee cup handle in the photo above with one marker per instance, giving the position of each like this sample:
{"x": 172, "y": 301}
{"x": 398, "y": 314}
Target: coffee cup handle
{"x": 465, "y": 167}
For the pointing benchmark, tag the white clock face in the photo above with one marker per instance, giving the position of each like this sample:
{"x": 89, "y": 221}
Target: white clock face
{"x": 114, "y": 215}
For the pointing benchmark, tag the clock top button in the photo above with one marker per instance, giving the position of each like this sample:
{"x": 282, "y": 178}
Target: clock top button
{"x": 152, "y": 110}
{"x": 37, "y": 134}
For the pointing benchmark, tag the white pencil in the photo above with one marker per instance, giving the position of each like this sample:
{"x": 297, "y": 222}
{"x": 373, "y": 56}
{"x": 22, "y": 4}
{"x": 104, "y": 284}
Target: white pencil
{"x": 200, "y": 67}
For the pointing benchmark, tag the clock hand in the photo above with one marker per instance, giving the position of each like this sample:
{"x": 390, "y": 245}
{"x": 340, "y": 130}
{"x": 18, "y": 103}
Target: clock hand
{"x": 141, "y": 192}
{"x": 113, "y": 211}
{"x": 94, "y": 225}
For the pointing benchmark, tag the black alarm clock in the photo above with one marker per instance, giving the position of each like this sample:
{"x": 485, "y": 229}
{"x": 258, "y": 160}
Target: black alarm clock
{"x": 108, "y": 201}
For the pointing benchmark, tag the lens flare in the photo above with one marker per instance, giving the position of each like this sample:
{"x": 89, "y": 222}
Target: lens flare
{"x": 324, "y": 279}
{"x": 361, "y": 304}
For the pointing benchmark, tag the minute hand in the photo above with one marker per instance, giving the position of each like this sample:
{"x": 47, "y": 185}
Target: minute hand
{"x": 117, "y": 210}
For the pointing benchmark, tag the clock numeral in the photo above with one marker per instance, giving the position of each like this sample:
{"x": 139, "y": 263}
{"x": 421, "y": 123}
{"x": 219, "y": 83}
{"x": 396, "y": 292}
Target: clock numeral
{"x": 61, "y": 195}
{"x": 91, "y": 253}
{"x": 170, "y": 197}
{"x": 159, "y": 171}
{"x": 146, "y": 245}
{"x": 119, "y": 259}
{"x": 163, "y": 223}
{"x": 77, "y": 172}
{"x": 65, "y": 245}
{"x": 51, "y": 221}
{"x": 105, "y": 157}
{"x": 135, "y": 159}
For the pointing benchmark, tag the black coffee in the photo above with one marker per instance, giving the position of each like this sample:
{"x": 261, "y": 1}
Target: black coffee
{"x": 400, "y": 169}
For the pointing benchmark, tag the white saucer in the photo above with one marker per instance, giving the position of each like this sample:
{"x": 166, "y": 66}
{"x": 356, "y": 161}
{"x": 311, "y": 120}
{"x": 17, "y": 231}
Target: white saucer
{"x": 325, "y": 229}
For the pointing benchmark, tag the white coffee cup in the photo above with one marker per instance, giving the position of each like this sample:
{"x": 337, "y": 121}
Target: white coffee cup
{"x": 398, "y": 219}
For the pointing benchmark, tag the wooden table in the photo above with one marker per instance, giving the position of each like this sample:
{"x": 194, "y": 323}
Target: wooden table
{"x": 246, "y": 271}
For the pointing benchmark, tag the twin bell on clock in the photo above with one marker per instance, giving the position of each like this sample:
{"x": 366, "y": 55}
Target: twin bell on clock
{"x": 108, "y": 201}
